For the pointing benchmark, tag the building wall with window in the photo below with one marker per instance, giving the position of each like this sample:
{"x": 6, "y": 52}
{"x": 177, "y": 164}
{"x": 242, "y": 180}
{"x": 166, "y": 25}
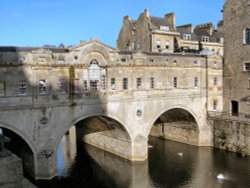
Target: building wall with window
{"x": 237, "y": 58}
{"x": 160, "y": 34}
{"x": 51, "y": 76}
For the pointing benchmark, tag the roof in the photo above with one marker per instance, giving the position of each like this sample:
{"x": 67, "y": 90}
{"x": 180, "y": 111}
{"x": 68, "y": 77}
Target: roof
{"x": 157, "y": 22}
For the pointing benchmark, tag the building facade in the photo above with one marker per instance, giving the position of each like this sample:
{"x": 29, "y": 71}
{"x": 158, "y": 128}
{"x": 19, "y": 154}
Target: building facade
{"x": 237, "y": 58}
{"x": 154, "y": 34}
{"x": 114, "y": 98}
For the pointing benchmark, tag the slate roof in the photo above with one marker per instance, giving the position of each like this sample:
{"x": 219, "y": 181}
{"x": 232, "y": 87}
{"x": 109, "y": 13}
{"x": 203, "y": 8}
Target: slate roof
{"x": 157, "y": 22}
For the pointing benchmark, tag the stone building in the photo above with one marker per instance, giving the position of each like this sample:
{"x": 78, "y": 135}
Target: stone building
{"x": 231, "y": 128}
{"x": 155, "y": 34}
{"x": 44, "y": 91}
{"x": 237, "y": 57}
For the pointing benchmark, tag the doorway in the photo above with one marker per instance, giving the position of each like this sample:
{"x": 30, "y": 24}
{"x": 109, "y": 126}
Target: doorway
{"x": 235, "y": 108}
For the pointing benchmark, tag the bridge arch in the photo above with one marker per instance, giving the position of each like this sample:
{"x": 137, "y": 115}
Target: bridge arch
{"x": 83, "y": 117}
{"x": 21, "y": 146}
{"x": 177, "y": 123}
{"x": 21, "y": 134}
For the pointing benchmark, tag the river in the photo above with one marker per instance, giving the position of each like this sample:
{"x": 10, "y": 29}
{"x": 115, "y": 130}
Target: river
{"x": 170, "y": 164}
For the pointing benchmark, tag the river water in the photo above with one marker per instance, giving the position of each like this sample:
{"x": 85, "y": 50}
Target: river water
{"x": 170, "y": 164}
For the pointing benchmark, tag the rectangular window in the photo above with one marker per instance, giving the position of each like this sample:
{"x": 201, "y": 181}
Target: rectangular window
{"x": 22, "y": 87}
{"x": 186, "y": 37}
{"x": 123, "y": 60}
{"x": 112, "y": 83}
{"x": 175, "y": 82}
{"x": 85, "y": 86}
{"x": 152, "y": 83}
{"x": 158, "y": 44}
{"x": 76, "y": 86}
{"x": 103, "y": 82}
{"x": 195, "y": 82}
{"x": 246, "y": 36}
{"x": 62, "y": 85}
{"x": 42, "y": 87}
{"x": 94, "y": 85}
{"x": 164, "y": 28}
{"x": 138, "y": 83}
{"x": 151, "y": 60}
{"x": 125, "y": 83}
{"x": 205, "y": 38}
{"x": 167, "y": 44}
{"x": 215, "y": 81}
{"x": 246, "y": 66}
{"x": 215, "y": 105}
{"x": 2, "y": 88}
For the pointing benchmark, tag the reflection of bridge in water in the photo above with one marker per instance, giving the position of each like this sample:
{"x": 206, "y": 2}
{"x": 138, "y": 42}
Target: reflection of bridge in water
{"x": 81, "y": 164}
{"x": 115, "y": 100}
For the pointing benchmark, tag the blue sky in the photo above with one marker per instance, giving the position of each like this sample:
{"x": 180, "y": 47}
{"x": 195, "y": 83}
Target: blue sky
{"x": 39, "y": 22}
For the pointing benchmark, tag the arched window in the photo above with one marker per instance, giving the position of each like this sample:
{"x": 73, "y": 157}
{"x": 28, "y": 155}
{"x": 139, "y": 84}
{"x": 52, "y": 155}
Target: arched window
{"x": 246, "y": 36}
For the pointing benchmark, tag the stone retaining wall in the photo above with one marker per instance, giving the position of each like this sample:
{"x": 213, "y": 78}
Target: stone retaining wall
{"x": 233, "y": 136}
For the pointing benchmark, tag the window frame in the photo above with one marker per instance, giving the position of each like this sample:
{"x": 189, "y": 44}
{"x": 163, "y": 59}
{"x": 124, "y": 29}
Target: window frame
{"x": 42, "y": 89}
{"x": 112, "y": 84}
{"x": 246, "y": 67}
{"x": 246, "y": 36}
{"x": 152, "y": 83}
{"x": 158, "y": 43}
{"x": 22, "y": 85}
{"x": 215, "y": 81}
{"x": 62, "y": 85}
{"x": 186, "y": 36}
{"x": 215, "y": 105}
{"x": 205, "y": 38}
{"x": 175, "y": 82}
{"x": 139, "y": 83}
{"x": 125, "y": 83}
{"x": 196, "y": 82}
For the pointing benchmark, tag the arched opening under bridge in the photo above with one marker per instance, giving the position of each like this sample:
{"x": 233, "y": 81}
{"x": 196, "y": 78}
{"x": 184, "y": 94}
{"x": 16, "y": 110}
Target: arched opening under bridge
{"x": 176, "y": 124}
{"x": 99, "y": 131}
{"x": 20, "y": 148}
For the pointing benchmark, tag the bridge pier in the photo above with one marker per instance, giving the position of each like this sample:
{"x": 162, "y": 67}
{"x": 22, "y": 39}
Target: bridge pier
{"x": 46, "y": 165}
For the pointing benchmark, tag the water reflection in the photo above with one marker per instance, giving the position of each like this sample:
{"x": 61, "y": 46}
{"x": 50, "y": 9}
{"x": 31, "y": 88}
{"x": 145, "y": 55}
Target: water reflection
{"x": 66, "y": 152}
{"x": 195, "y": 168}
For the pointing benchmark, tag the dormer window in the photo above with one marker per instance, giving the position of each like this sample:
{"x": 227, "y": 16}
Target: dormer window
{"x": 246, "y": 36}
{"x": 205, "y": 38}
{"x": 186, "y": 37}
{"x": 164, "y": 28}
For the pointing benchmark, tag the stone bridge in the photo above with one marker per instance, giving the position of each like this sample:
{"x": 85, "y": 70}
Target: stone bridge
{"x": 115, "y": 99}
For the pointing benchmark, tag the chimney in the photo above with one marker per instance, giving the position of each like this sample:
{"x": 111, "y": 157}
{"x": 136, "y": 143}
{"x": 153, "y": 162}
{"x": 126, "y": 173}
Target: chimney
{"x": 146, "y": 12}
{"x": 220, "y": 26}
{"x": 209, "y": 27}
{"x": 187, "y": 27}
{"x": 171, "y": 19}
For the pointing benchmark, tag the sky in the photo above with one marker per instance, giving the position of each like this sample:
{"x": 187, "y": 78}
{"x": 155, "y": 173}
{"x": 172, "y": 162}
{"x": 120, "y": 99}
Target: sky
{"x": 40, "y": 22}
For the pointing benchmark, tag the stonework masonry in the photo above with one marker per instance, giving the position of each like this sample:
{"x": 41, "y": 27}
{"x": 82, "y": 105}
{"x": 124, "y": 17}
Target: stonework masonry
{"x": 163, "y": 80}
{"x": 231, "y": 128}
{"x": 57, "y": 88}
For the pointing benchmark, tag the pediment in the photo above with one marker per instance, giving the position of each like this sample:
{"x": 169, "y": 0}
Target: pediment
{"x": 93, "y": 45}
{"x": 86, "y": 52}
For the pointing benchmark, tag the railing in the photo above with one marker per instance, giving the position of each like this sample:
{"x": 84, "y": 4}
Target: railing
{"x": 240, "y": 117}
